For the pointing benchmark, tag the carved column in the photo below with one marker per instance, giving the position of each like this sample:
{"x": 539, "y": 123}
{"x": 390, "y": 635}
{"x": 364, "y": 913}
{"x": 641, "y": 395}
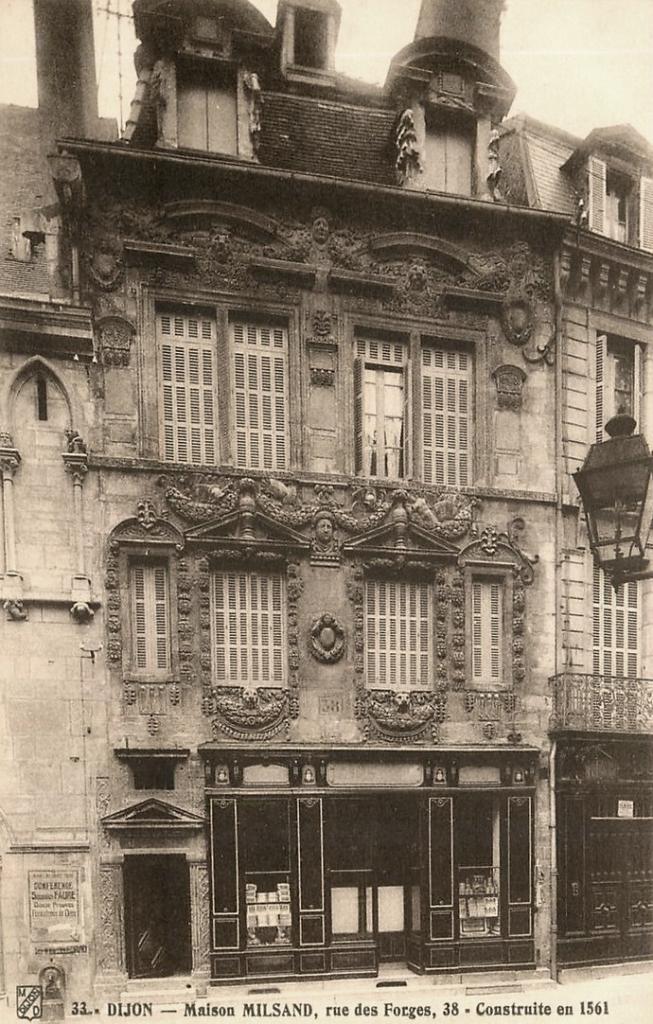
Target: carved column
{"x": 110, "y": 940}
{"x": 9, "y": 463}
{"x": 199, "y": 910}
{"x": 645, "y": 427}
{"x": 76, "y": 463}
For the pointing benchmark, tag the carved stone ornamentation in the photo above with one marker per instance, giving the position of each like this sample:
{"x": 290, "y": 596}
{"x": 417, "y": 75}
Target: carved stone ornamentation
{"x": 110, "y": 946}
{"x": 490, "y": 706}
{"x": 327, "y": 640}
{"x": 325, "y": 549}
{"x": 322, "y": 377}
{"x": 104, "y": 264}
{"x": 256, "y": 714}
{"x": 402, "y": 716}
{"x": 200, "y": 922}
{"x": 408, "y": 160}
{"x": 254, "y": 96}
{"x": 509, "y": 382}
{"x": 518, "y": 321}
{"x": 15, "y": 609}
{"x": 115, "y": 335}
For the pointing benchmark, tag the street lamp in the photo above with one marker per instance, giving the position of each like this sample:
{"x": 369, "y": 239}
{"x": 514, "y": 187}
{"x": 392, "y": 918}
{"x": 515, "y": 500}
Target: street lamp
{"x": 615, "y": 485}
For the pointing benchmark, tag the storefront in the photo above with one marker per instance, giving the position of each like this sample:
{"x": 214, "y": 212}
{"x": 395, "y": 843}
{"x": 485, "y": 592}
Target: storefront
{"x": 332, "y": 863}
{"x": 605, "y": 849}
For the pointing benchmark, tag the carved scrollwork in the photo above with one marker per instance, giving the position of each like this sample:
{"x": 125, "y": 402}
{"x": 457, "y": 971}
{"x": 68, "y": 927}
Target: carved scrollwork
{"x": 115, "y": 335}
{"x": 495, "y": 545}
{"x": 509, "y": 382}
{"x": 402, "y": 717}
{"x": 327, "y": 640}
{"x": 518, "y": 321}
{"x": 257, "y": 714}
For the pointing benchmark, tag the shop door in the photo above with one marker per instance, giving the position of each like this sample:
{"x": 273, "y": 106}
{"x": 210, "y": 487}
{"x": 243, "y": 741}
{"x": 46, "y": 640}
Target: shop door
{"x": 157, "y": 916}
{"x": 621, "y": 883}
{"x": 395, "y": 855}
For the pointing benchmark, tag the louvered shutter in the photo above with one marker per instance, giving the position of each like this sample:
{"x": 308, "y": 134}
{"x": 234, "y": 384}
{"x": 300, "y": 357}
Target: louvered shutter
{"x": 150, "y": 618}
{"x": 249, "y": 628}
{"x": 187, "y": 381}
{"x": 646, "y": 214}
{"x": 261, "y": 395}
{"x": 596, "y": 194}
{"x": 487, "y": 633}
{"x": 398, "y": 633}
{"x": 408, "y": 423}
{"x": 615, "y": 627}
{"x": 601, "y": 361}
{"x": 358, "y": 415}
{"x": 446, "y": 416}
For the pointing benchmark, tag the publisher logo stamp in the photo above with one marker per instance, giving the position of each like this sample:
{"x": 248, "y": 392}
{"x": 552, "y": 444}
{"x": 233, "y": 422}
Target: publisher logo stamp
{"x": 28, "y": 1002}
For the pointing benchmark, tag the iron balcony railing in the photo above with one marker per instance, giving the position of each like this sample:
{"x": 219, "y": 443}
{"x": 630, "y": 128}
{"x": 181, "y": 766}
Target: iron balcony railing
{"x": 599, "y": 703}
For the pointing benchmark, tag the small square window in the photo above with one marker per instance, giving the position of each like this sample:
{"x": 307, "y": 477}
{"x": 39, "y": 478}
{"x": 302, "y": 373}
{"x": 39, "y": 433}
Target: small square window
{"x": 153, "y": 773}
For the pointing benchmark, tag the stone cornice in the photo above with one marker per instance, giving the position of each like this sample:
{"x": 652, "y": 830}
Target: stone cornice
{"x": 607, "y": 276}
{"x": 66, "y": 329}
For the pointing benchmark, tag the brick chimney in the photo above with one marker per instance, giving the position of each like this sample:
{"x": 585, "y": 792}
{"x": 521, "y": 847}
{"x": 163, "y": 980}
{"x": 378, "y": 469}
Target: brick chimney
{"x": 65, "y": 67}
{"x": 477, "y": 22}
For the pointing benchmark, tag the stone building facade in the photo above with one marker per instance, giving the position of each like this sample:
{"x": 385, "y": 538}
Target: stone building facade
{"x": 296, "y": 603}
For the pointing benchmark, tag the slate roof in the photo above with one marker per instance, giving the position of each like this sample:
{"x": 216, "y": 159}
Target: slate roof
{"x": 534, "y": 153}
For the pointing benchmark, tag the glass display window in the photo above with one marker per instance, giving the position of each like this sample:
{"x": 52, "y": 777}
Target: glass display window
{"x": 479, "y": 863}
{"x": 265, "y": 827}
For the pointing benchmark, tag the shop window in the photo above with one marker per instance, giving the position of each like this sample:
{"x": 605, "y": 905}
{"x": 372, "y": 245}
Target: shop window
{"x": 446, "y": 416}
{"x": 153, "y": 773}
{"x": 207, "y": 116}
{"x": 398, "y": 628}
{"x": 382, "y": 409}
{"x": 618, "y": 380}
{"x": 615, "y": 627}
{"x": 487, "y": 632}
{"x": 349, "y": 841}
{"x": 260, "y": 361}
{"x": 311, "y": 39}
{"x": 187, "y": 414}
{"x": 448, "y": 157}
{"x": 150, "y": 617}
{"x": 478, "y": 828}
{"x": 265, "y": 832}
{"x": 249, "y": 628}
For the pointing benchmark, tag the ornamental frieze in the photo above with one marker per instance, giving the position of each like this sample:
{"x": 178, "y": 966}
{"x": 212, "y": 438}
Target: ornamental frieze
{"x": 249, "y": 714}
{"x": 198, "y": 499}
{"x": 401, "y": 716}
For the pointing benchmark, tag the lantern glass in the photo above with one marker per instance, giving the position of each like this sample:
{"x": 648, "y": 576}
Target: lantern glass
{"x": 617, "y": 495}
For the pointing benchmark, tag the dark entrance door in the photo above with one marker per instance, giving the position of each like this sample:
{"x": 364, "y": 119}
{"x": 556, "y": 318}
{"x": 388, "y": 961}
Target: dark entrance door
{"x": 157, "y": 916}
{"x": 395, "y": 855}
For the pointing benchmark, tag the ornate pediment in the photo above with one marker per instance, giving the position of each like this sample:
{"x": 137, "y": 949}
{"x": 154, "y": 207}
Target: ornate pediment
{"x": 406, "y": 244}
{"x": 237, "y": 530}
{"x": 148, "y": 527}
{"x": 492, "y": 547}
{"x": 152, "y": 814}
{"x": 403, "y": 537}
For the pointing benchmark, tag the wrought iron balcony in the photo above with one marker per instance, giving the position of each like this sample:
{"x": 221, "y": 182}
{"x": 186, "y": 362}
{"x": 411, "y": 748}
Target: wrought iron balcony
{"x": 596, "y": 703}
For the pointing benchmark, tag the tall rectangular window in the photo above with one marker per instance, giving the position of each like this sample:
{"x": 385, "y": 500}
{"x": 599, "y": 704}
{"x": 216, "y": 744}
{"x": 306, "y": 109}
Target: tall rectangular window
{"x": 249, "y": 628}
{"x": 446, "y": 415}
{"x": 260, "y": 354}
{"x": 618, "y": 380}
{"x": 615, "y": 628}
{"x": 207, "y": 110}
{"x": 150, "y": 617}
{"x": 382, "y": 409}
{"x": 398, "y": 628}
{"x": 487, "y": 633}
{"x": 186, "y": 350}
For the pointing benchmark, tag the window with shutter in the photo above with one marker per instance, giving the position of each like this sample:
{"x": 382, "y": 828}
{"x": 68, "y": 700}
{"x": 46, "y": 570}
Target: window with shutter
{"x": 381, "y": 413}
{"x": 150, "y": 620}
{"x": 260, "y": 357}
{"x": 398, "y": 629}
{"x": 446, "y": 416}
{"x": 615, "y": 627}
{"x": 646, "y": 214}
{"x": 186, "y": 345}
{"x": 487, "y": 633}
{"x": 618, "y": 380}
{"x": 249, "y": 628}
{"x": 596, "y": 194}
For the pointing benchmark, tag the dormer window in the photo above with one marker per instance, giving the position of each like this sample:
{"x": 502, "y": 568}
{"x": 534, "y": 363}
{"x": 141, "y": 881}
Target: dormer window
{"x": 207, "y": 117}
{"x": 311, "y": 39}
{"x": 617, "y": 195}
{"x": 309, "y": 32}
{"x": 620, "y": 204}
{"x": 448, "y": 154}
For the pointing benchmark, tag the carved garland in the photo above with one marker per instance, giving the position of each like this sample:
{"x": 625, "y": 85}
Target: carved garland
{"x": 327, "y": 640}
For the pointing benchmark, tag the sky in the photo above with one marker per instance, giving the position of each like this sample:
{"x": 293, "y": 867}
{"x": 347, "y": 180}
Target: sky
{"x": 578, "y": 64}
